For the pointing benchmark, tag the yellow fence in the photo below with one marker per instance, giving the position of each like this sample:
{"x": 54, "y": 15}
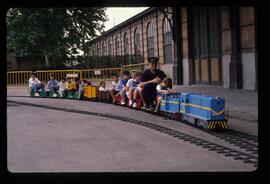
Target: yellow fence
{"x": 137, "y": 67}
{"x": 100, "y": 74}
{"x": 22, "y": 77}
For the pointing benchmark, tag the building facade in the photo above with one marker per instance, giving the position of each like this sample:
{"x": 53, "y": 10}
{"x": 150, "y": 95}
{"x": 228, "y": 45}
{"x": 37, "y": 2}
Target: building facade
{"x": 200, "y": 45}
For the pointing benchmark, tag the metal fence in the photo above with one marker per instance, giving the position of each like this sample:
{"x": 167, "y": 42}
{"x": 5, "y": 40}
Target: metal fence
{"x": 16, "y": 78}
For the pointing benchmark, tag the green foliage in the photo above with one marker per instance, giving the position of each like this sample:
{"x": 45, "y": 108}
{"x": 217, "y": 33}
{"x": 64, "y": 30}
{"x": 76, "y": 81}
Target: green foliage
{"x": 55, "y": 32}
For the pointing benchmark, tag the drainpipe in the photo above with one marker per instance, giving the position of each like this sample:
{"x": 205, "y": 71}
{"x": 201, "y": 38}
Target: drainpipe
{"x": 142, "y": 41}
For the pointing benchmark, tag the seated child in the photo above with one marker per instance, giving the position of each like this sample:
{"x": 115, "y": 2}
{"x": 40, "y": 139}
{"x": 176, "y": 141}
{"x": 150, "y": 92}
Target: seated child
{"x": 70, "y": 86}
{"x": 102, "y": 86}
{"x": 53, "y": 85}
{"x": 62, "y": 87}
{"x": 131, "y": 85}
{"x": 35, "y": 85}
{"x": 120, "y": 88}
{"x": 79, "y": 87}
{"x": 163, "y": 88}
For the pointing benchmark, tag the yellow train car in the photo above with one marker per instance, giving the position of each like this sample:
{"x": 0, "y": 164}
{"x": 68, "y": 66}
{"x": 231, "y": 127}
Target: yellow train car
{"x": 90, "y": 92}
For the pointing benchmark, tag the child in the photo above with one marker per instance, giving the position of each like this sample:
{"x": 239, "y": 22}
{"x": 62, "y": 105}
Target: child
{"x": 115, "y": 81}
{"x": 131, "y": 85}
{"x": 53, "y": 85}
{"x": 120, "y": 88}
{"x": 79, "y": 87}
{"x": 35, "y": 85}
{"x": 70, "y": 86}
{"x": 163, "y": 88}
{"x": 102, "y": 86}
{"x": 62, "y": 87}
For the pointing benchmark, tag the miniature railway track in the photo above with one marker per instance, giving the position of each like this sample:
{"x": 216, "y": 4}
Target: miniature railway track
{"x": 237, "y": 155}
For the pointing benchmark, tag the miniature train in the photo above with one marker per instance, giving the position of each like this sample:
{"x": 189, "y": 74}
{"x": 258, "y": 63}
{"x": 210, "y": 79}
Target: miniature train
{"x": 203, "y": 111}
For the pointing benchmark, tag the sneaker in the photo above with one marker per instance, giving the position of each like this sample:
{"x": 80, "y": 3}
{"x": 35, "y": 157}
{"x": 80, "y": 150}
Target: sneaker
{"x": 144, "y": 107}
{"x": 130, "y": 103}
{"x": 36, "y": 94}
{"x": 54, "y": 95}
{"x": 123, "y": 102}
{"x": 134, "y": 105}
{"x": 151, "y": 108}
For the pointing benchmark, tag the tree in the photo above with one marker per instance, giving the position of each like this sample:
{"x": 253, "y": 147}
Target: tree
{"x": 52, "y": 32}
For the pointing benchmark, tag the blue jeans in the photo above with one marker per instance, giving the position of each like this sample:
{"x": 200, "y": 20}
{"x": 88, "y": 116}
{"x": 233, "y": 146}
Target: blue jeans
{"x": 53, "y": 89}
{"x": 37, "y": 87}
{"x": 81, "y": 91}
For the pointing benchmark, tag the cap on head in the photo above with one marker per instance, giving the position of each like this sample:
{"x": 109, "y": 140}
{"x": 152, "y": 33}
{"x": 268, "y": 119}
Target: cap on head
{"x": 153, "y": 59}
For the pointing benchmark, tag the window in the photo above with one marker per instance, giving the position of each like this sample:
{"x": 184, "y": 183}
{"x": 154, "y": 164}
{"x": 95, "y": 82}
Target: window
{"x": 109, "y": 48}
{"x": 206, "y": 32}
{"x": 117, "y": 46}
{"x": 103, "y": 49}
{"x": 167, "y": 41}
{"x": 150, "y": 40}
{"x": 137, "y": 46}
{"x": 125, "y": 44}
{"x": 98, "y": 49}
{"x": 126, "y": 48}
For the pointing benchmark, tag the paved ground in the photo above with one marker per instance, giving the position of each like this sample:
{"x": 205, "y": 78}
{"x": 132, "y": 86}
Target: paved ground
{"x": 43, "y": 140}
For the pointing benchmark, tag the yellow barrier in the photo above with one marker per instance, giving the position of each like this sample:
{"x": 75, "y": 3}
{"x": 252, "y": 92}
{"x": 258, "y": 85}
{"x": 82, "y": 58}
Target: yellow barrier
{"x": 101, "y": 74}
{"x": 22, "y": 77}
{"x": 137, "y": 67}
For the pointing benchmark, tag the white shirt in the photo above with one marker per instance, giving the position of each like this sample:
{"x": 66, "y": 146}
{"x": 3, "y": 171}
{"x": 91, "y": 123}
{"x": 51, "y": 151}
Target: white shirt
{"x": 62, "y": 86}
{"x": 129, "y": 82}
{"x": 101, "y": 88}
{"x": 33, "y": 82}
{"x": 158, "y": 87}
{"x": 114, "y": 84}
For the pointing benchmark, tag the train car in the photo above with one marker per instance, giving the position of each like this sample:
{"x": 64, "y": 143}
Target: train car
{"x": 104, "y": 96}
{"x": 170, "y": 105}
{"x": 90, "y": 92}
{"x": 41, "y": 93}
{"x": 203, "y": 111}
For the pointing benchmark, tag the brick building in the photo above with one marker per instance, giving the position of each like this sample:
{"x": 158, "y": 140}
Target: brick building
{"x": 202, "y": 45}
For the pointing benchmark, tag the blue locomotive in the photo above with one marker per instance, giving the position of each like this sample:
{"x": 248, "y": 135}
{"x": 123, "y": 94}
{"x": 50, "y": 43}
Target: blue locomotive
{"x": 198, "y": 109}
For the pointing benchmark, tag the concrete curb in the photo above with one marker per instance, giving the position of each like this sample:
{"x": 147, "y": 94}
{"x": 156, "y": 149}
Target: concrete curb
{"x": 242, "y": 115}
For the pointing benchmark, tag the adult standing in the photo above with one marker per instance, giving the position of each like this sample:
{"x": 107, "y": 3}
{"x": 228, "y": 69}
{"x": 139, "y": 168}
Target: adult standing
{"x": 149, "y": 81}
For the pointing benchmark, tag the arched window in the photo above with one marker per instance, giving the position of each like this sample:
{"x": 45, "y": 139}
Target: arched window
{"x": 109, "y": 48}
{"x": 125, "y": 44}
{"x": 117, "y": 46}
{"x": 126, "y": 48}
{"x": 150, "y": 40}
{"x": 98, "y": 49}
{"x": 103, "y": 48}
{"x": 167, "y": 41}
{"x": 137, "y": 46}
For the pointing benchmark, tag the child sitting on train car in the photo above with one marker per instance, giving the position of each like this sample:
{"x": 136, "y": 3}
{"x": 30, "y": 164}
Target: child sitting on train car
{"x": 35, "y": 85}
{"x": 62, "y": 87}
{"x": 53, "y": 85}
{"x": 79, "y": 87}
{"x": 102, "y": 86}
{"x": 71, "y": 86}
{"x": 115, "y": 81}
{"x": 132, "y": 85}
{"x": 164, "y": 87}
{"x": 120, "y": 88}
